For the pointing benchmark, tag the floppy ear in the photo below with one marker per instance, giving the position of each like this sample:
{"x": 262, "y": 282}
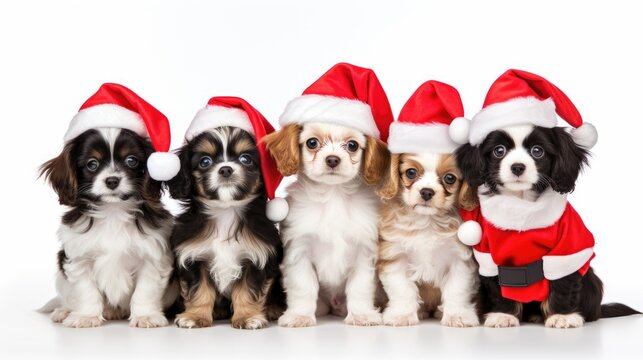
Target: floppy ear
{"x": 468, "y": 197}
{"x": 391, "y": 184}
{"x": 61, "y": 174}
{"x": 377, "y": 161}
{"x": 471, "y": 164}
{"x": 568, "y": 162}
{"x": 283, "y": 146}
{"x": 180, "y": 186}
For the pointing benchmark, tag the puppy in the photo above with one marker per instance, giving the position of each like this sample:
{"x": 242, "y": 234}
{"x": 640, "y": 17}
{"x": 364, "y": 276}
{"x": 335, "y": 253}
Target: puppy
{"x": 421, "y": 264}
{"x": 115, "y": 261}
{"x": 330, "y": 234}
{"x": 227, "y": 251}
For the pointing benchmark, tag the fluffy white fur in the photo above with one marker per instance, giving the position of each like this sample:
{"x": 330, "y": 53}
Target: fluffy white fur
{"x": 212, "y": 117}
{"x": 105, "y": 116}
{"x": 407, "y": 137}
{"x": 331, "y": 109}
{"x": 330, "y": 235}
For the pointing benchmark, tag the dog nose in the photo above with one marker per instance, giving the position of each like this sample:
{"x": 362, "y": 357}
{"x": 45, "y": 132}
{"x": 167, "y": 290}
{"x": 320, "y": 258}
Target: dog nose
{"x": 332, "y": 161}
{"x": 226, "y": 171}
{"x": 518, "y": 168}
{"x": 427, "y": 194}
{"x": 112, "y": 182}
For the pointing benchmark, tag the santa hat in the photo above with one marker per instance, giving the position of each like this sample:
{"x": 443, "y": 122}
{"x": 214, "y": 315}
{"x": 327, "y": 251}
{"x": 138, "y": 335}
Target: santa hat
{"x": 345, "y": 95}
{"x": 518, "y": 97}
{"x": 424, "y": 124}
{"x": 236, "y": 112}
{"x": 115, "y": 106}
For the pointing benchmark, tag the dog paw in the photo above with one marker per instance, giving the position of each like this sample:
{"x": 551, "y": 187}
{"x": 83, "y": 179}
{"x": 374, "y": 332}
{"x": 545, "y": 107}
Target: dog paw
{"x": 58, "y": 315}
{"x": 559, "y": 321}
{"x": 460, "y": 320}
{"x": 251, "y": 323}
{"x": 501, "y": 320}
{"x": 400, "y": 319}
{"x": 367, "y": 319}
{"x": 148, "y": 321}
{"x": 188, "y": 321}
{"x": 294, "y": 320}
{"x": 82, "y": 321}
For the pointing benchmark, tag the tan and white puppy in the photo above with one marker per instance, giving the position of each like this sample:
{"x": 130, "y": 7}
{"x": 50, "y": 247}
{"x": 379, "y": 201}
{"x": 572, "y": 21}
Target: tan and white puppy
{"x": 330, "y": 234}
{"x": 423, "y": 268}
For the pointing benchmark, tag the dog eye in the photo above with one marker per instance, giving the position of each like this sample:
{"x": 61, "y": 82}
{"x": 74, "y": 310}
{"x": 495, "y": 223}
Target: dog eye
{"x": 245, "y": 159}
{"x": 92, "y": 165}
{"x": 537, "y": 152}
{"x": 205, "y": 162}
{"x": 449, "y": 179}
{"x": 131, "y": 161}
{"x": 411, "y": 173}
{"x": 499, "y": 151}
{"x": 312, "y": 143}
{"x": 352, "y": 146}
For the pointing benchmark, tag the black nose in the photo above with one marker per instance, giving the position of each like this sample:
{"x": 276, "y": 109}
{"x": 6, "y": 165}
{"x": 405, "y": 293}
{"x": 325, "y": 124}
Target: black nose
{"x": 332, "y": 161}
{"x": 112, "y": 182}
{"x": 518, "y": 168}
{"x": 427, "y": 194}
{"x": 225, "y": 171}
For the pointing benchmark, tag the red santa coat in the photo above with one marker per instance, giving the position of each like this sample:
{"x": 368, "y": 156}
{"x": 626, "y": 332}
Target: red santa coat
{"x": 517, "y": 232}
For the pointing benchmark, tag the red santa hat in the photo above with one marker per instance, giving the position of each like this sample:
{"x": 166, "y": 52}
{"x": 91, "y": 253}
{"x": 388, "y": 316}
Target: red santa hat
{"x": 518, "y": 97}
{"x": 236, "y": 112}
{"x": 345, "y": 95}
{"x": 115, "y": 106}
{"x": 424, "y": 124}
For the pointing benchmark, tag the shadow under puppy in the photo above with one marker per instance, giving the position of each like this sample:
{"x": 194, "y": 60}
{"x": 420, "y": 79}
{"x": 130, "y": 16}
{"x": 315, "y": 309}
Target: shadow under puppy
{"x": 115, "y": 260}
{"x": 330, "y": 141}
{"x": 422, "y": 266}
{"x": 227, "y": 250}
{"x": 533, "y": 249}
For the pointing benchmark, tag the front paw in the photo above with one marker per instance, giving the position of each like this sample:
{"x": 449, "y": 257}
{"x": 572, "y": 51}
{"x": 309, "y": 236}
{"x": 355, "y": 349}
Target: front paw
{"x": 501, "y": 320}
{"x": 559, "y": 321}
{"x": 371, "y": 318}
{"x": 82, "y": 321}
{"x": 251, "y": 323}
{"x": 396, "y": 318}
{"x": 148, "y": 321}
{"x": 190, "y": 321}
{"x": 460, "y": 319}
{"x": 294, "y": 320}
{"x": 58, "y": 315}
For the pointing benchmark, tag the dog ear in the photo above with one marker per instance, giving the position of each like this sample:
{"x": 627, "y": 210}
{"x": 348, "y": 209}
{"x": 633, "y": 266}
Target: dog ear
{"x": 377, "y": 161}
{"x": 568, "y": 161}
{"x": 283, "y": 146}
{"x": 471, "y": 164}
{"x": 468, "y": 197}
{"x": 180, "y": 186}
{"x": 61, "y": 174}
{"x": 391, "y": 185}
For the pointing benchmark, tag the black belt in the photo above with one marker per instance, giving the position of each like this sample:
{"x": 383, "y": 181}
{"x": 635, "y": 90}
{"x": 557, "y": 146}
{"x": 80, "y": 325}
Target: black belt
{"x": 521, "y": 276}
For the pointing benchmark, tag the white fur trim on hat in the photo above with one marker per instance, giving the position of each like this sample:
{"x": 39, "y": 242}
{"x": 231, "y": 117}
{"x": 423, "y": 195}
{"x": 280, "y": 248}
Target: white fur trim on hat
{"x": 486, "y": 265}
{"x": 212, "y": 117}
{"x": 330, "y": 109}
{"x": 407, "y": 137}
{"x": 163, "y": 166}
{"x": 459, "y": 130}
{"x": 559, "y": 266}
{"x": 277, "y": 209}
{"x": 105, "y": 116}
{"x": 518, "y": 111}
{"x": 470, "y": 233}
{"x": 585, "y": 135}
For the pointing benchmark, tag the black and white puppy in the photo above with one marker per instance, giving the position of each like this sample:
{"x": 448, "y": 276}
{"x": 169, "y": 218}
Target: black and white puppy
{"x": 115, "y": 261}
{"x": 532, "y": 164}
{"x": 227, "y": 251}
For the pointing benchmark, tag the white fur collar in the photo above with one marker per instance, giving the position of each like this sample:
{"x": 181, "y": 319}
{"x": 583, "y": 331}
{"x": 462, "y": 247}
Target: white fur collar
{"x": 508, "y": 212}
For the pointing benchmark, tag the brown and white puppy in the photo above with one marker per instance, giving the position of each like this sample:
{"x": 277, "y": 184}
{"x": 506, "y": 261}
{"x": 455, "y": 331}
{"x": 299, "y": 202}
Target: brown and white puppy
{"x": 422, "y": 266}
{"x": 227, "y": 251}
{"x": 330, "y": 234}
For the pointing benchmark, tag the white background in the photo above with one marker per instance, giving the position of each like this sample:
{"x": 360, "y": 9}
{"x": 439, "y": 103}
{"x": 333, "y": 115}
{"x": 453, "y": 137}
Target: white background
{"x": 54, "y": 54}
